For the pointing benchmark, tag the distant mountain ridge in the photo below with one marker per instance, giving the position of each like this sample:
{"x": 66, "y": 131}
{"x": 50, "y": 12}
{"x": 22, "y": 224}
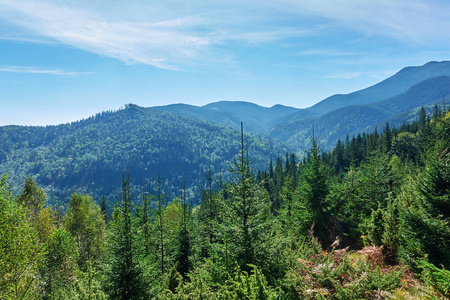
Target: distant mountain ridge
{"x": 392, "y": 86}
{"x": 354, "y": 119}
{"x": 336, "y": 116}
{"x": 231, "y": 113}
{"x": 181, "y": 140}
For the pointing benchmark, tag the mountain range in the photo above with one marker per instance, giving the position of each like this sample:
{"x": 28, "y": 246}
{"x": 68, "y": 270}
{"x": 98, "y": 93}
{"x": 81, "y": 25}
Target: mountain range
{"x": 394, "y": 100}
{"x": 181, "y": 142}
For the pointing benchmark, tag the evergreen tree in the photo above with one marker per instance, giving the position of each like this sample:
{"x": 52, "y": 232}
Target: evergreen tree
{"x": 387, "y": 138}
{"x": 425, "y": 213}
{"x": 313, "y": 188}
{"x": 249, "y": 210}
{"x": 125, "y": 277}
{"x": 183, "y": 250}
{"x": 160, "y": 213}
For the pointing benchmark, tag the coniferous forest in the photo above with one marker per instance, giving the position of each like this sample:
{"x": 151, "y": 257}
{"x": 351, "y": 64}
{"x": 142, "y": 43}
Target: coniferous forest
{"x": 366, "y": 220}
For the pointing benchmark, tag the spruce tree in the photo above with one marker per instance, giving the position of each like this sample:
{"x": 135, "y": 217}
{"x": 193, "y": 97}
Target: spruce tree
{"x": 125, "y": 277}
{"x": 249, "y": 210}
{"x": 183, "y": 250}
{"x": 313, "y": 188}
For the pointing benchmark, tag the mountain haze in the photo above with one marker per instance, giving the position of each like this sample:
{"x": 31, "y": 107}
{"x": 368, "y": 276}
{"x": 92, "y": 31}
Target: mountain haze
{"x": 354, "y": 119}
{"x": 231, "y": 113}
{"x": 392, "y": 86}
{"x": 392, "y": 100}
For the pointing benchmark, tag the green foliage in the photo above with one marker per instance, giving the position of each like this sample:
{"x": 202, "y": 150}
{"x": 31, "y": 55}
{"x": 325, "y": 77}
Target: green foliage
{"x": 21, "y": 254}
{"x": 88, "y": 285}
{"x": 342, "y": 275}
{"x": 86, "y": 224}
{"x": 241, "y": 285}
{"x": 59, "y": 271}
{"x": 425, "y": 215}
{"x": 125, "y": 279}
{"x": 268, "y": 236}
{"x": 438, "y": 278}
{"x": 313, "y": 190}
{"x": 247, "y": 213}
{"x": 32, "y": 197}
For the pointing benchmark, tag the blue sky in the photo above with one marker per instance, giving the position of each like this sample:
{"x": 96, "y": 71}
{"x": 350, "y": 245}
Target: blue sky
{"x": 61, "y": 61}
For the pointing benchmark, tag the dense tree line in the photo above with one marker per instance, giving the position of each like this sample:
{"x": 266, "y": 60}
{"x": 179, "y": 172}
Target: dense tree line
{"x": 369, "y": 219}
{"x": 88, "y": 156}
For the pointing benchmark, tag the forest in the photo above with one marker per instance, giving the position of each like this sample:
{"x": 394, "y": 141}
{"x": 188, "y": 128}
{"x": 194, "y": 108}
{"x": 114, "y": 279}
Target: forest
{"x": 89, "y": 156}
{"x": 366, "y": 220}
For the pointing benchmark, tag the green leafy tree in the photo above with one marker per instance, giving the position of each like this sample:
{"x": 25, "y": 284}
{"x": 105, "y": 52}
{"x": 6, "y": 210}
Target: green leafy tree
{"x": 60, "y": 268}
{"x": 86, "y": 224}
{"x": 21, "y": 254}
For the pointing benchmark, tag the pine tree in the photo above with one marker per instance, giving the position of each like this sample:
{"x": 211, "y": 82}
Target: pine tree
{"x": 249, "y": 210}
{"x": 125, "y": 277}
{"x": 425, "y": 212}
{"x": 313, "y": 188}
{"x": 160, "y": 214}
{"x": 387, "y": 138}
{"x": 183, "y": 251}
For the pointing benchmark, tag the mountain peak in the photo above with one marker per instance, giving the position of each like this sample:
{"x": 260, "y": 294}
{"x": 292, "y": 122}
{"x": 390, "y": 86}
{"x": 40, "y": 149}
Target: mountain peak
{"x": 394, "y": 85}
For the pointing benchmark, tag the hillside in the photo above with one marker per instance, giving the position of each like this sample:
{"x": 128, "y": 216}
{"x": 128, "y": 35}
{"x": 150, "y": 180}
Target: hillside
{"x": 89, "y": 156}
{"x": 180, "y": 140}
{"x": 394, "y": 99}
{"x": 392, "y": 86}
{"x": 231, "y": 113}
{"x": 356, "y": 119}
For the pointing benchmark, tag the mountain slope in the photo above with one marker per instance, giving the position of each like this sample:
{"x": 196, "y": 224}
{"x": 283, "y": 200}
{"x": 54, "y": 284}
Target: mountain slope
{"x": 394, "y": 85}
{"x": 89, "y": 156}
{"x": 231, "y": 113}
{"x": 356, "y": 119}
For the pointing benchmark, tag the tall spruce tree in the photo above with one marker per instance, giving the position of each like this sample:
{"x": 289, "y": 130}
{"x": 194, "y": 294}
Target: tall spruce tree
{"x": 313, "y": 189}
{"x": 125, "y": 277}
{"x": 183, "y": 249}
{"x": 249, "y": 212}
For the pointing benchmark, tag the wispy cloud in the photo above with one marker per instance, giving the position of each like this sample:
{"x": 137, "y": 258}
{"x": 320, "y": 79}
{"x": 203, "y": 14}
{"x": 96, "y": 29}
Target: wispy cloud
{"x": 326, "y": 52}
{"x": 37, "y": 70}
{"x": 405, "y": 20}
{"x": 168, "y": 37}
{"x": 173, "y": 34}
{"x": 348, "y": 75}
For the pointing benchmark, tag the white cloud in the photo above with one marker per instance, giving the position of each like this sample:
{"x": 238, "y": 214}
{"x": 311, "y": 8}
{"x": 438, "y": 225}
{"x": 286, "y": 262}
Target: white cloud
{"x": 171, "y": 34}
{"x": 405, "y": 20}
{"x": 164, "y": 36}
{"x": 37, "y": 70}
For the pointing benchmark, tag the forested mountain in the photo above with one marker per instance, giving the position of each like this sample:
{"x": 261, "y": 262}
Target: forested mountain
{"x": 182, "y": 140}
{"x": 396, "y": 99}
{"x": 231, "y": 113}
{"x": 89, "y": 156}
{"x": 392, "y": 86}
{"x": 367, "y": 220}
{"x": 354, "y": 119}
